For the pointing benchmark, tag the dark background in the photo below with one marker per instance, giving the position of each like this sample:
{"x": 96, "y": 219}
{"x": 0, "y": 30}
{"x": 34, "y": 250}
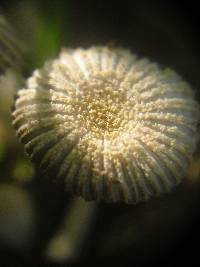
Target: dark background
{"x": 167, "y": 32}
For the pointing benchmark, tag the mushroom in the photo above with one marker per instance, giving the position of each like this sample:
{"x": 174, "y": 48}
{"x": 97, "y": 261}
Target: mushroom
{"x": 107, "y": 124}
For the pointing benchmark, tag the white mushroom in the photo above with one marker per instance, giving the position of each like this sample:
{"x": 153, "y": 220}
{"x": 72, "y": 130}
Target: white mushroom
{"x": 111, "y": 126}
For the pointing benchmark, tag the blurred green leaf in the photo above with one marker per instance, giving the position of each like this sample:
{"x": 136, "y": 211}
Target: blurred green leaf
{"x": 48, "y": 37}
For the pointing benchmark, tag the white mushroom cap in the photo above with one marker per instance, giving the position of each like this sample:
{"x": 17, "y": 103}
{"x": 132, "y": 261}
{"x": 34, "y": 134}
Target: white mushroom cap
{"x": 111, "y": 126}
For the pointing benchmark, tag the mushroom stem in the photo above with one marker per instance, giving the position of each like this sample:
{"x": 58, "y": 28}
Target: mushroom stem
{"x": 67, "y": 243}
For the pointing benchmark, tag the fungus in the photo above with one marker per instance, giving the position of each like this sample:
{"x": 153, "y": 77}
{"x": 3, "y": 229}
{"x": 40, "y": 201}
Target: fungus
{"x": 111, "y": 126}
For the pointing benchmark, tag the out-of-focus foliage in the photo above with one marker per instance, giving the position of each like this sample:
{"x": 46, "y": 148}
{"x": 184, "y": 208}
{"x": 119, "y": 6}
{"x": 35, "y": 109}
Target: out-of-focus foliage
{"x": 2, "y": 151}
{"x": 41, "y": 25}
{"x": 17, "y": 216}
{"x": 23, "y": 170}
{"x": 11, "y": 48}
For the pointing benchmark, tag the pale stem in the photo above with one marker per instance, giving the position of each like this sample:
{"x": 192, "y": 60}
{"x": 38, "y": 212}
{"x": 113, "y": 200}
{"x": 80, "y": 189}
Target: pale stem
{"x": 67, "y": 243}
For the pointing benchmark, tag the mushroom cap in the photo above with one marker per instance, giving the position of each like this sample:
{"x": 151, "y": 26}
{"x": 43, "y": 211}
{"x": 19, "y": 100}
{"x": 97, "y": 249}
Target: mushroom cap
{"x": 111, "y": 126}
